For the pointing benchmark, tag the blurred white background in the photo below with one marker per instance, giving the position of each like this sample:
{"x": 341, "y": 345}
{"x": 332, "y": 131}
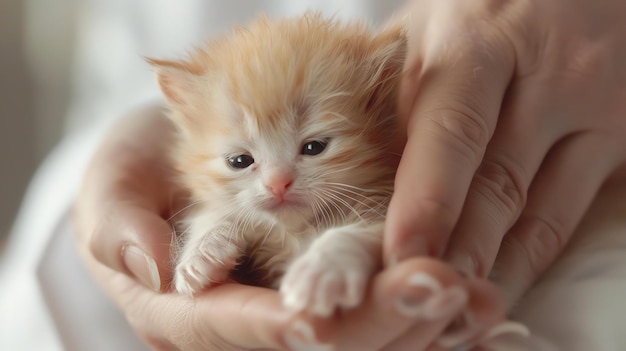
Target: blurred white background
{"x": 36, "y": 38}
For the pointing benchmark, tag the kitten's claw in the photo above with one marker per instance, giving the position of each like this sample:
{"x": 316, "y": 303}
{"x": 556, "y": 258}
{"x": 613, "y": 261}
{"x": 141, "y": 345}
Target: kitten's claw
{"x": 320, "y": 283}
{"x": 205, "y": 262}
{"x": 197, "y": 273}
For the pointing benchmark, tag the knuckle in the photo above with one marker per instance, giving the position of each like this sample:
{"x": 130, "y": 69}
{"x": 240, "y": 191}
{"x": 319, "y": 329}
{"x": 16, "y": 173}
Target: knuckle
{"x": 541, "y": 240}
{"x": 439, "y": 216}
{"x": 437, "y": 221}
{"x": 588, "y": 61}
{"x": 503, "y": 186}
{"x": 589, "y": 64}
{"x": 464, "y": 127}
{"x": 426, "y": 223}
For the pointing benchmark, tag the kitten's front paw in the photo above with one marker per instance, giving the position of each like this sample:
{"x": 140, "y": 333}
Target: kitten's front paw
{"x": 207, "y": 264}
{"x": 320, "y": 282}
{"x": 197, "y": 273}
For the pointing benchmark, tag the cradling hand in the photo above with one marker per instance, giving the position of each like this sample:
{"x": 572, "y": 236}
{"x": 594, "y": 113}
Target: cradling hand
{"x": 124, "y": 238}
{"x": 515, "y": 115}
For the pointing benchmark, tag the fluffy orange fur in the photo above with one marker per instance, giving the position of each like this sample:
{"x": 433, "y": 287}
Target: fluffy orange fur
{"x": 266, "y": 92}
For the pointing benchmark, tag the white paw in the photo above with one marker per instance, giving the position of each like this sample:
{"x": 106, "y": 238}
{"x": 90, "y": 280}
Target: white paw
{"x": 205, "y": 262}
{"x": 197, "y": 273}
{"x": 321, "y": 282}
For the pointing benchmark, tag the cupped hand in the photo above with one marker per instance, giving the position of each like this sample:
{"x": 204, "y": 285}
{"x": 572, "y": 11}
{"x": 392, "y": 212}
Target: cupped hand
{"x": 124, "y": 238}
{"x": 515, "y": 114}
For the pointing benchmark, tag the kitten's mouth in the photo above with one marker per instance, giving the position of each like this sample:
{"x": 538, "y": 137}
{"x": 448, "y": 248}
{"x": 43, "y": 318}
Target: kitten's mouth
{"x": 280, "y": 204}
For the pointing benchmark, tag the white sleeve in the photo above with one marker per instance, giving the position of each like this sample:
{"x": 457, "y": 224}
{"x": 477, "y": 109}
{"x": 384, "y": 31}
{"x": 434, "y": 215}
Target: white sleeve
{"x": 29, "y": 314}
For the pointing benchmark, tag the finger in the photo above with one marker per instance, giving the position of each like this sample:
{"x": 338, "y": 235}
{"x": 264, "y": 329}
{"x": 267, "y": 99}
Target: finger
{"x": 252, "y": 318}
{"x": 249, "y": 317}
{"x": 227, "y": 317}
{"x": 484, "y": 310}
{"x": 450, "y": 123}
{"x": 133, "y": 239}
{"x": 124, "y": 194}
{"x": 417, "y": 289}
{"x": 558, "y": 198}
{"x": 499, "y": 189}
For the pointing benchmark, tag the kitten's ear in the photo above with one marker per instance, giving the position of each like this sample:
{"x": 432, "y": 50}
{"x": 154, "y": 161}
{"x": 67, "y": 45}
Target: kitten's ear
{"x": 387, "y": 56}
{"x": 176, "y": 80}
{"x": 389, "y": 47}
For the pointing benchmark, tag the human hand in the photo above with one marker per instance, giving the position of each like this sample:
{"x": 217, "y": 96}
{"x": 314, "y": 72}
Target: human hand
{"x": 124, "y": 240}
{"x": 515, "y": 114}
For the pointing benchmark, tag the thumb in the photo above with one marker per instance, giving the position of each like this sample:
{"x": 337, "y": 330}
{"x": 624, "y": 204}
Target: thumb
{"x": 124, "y": 194}
{"x": 135, "y": 240}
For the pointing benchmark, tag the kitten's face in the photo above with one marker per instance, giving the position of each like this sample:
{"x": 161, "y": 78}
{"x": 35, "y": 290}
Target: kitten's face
{"x": 302, "y": 161}
{"x": 287, "y": 121}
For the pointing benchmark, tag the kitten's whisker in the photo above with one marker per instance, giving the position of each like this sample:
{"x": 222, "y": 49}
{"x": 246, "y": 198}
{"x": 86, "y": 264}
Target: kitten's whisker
{"x": 377, "y": 206}
{"x": 326, "y": 211}
{"x": 262, "y": 242}
{"x": 243, "y": 221}
{"x": 332, "y": 219}
{"x": 354, "y": 195}
{"x": 188, "y": 206}
{"x": 344, "y": 202}
{"x": 326, "y": 97}
{"x": 343, "y": 170}
{"x": 338, "y": 193}
{"x": 248, "y": 224}
{"x": 348, "y": 186}
{"x": 385, "y": 196}
{"x": 316, "y": 208}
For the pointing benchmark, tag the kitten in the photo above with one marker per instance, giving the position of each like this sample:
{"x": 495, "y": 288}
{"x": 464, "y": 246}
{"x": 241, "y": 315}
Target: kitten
{"x": 283, "y": 140}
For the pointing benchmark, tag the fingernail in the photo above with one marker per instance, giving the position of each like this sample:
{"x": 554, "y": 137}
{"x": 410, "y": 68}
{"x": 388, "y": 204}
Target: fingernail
{"x": 507, "y": 327}
{"x": 460, "y": 333}
{"x": 142, "y": 266}
{"x": 464, "y": 264}
{"x": 515, "y": 337}
{"x": 420, "y": 287}
{"x": 301, "y": 337}
{"x": 445, "y": 304}
{"x": 416, "y": 245}
{"x": 467, "y": 335}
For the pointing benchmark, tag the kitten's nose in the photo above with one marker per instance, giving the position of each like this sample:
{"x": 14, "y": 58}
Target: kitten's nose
{"x": 279, "y": 184}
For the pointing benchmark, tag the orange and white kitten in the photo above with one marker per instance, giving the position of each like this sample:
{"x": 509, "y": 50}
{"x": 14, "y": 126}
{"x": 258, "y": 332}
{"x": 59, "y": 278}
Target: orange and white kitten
{"x": 283, "y": 140}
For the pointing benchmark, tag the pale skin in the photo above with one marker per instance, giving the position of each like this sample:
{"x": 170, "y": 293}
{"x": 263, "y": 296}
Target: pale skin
{"x": 488, "y": 169}
{"x": 482, "y": 171}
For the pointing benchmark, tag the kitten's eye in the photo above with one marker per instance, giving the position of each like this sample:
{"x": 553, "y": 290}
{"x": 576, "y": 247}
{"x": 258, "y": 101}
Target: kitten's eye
{"x": 313, "y": 148}
{"x": 241, "y": 161}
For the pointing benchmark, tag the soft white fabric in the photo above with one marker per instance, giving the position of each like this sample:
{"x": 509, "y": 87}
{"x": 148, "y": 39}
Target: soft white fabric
{"x": 25, "y": 323}
{"x": 579, "y": 304}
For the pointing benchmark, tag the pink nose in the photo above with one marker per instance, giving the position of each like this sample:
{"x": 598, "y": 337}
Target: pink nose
{"x": 279, "y": 184}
